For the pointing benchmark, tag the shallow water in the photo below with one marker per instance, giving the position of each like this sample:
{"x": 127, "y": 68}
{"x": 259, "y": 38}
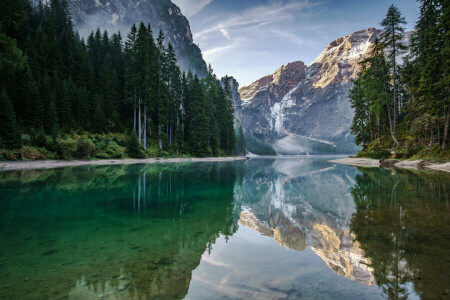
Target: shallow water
{"x": 285, "y": 228}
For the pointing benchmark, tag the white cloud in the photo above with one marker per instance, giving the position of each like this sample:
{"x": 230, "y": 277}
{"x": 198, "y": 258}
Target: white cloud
{"x": 210, "y": 54}
{"x": 191, "y": 7}
{"x": 258, "y": 16}
{"x": 225, "y": 33}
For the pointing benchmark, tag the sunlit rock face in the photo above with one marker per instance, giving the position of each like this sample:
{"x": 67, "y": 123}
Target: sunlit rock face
{"x": 301, "y": 208}
{"x": 305, "y": 109}
{"x": 119, "y": 15}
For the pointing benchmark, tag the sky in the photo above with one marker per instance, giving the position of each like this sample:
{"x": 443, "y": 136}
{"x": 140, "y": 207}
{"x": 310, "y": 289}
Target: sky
{"x": 248, "y": 39}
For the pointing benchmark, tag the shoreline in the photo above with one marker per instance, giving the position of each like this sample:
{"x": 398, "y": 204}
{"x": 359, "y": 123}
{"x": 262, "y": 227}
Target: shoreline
{"x": 53, "y": 164}
{"x": 404, "y": 164}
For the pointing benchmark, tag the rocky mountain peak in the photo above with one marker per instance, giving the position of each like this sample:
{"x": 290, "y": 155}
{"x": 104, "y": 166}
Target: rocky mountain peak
{"x": 339, "y": 62}
{"x": 300, "y": 109}
{"x": 279, "y": 83}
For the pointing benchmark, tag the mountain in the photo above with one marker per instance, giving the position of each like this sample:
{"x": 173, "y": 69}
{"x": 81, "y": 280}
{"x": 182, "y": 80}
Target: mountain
{"x": 303, "y": 109}
{"x": 119, "y": 15}
{"x": 305, "y": 203}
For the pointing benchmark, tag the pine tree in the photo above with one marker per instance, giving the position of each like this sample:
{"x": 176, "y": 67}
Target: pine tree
{"x": 230, "y": 137}
{"x": 392, "y": 39}
{"x": 163, "y": 108}
{"x": 11, "y": 18}
{"x": 360, "y": 123}
{"x": 131, "y": 71}
{"x": 199, "y": 132}
{"x": 240, "y": 140}
{"x": 98, "y": 120}
{"x": 9, "y": 131}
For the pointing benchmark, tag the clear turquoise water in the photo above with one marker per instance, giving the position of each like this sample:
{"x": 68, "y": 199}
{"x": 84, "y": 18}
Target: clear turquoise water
{"x": 285, "y": 228}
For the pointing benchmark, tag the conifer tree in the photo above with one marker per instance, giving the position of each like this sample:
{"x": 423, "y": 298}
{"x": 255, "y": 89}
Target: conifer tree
{"x": 392, "y": 39}
{"x": 199, "y": 133}
{"x": 9, "y": 131}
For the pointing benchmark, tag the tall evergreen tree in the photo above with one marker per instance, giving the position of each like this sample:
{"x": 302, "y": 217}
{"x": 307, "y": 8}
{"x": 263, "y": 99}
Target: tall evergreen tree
{"x": 392, "y": 39}
{"x": 9, "y": 131}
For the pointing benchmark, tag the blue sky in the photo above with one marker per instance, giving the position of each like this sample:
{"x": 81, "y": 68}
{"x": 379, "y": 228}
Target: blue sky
{"x": 249, "y": 39}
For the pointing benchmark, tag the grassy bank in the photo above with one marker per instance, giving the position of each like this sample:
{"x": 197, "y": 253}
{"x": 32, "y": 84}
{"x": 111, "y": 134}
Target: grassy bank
{"x": 411, "y": 147}
{"x": 89, "y": 146}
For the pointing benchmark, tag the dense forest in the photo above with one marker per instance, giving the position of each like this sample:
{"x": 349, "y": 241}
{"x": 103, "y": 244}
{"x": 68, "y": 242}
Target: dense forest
{"x": 404, "y": 108}
{"x": 64, "y": 97}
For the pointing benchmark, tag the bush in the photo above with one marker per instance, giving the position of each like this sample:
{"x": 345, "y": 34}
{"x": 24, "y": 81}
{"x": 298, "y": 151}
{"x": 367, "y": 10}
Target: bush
{"x": 405, "y": 152}
{"x": 67, "y": 148}
{"x": 85, "y": 149}
{"x": 8, "y": 155}
{"x": 133, "y": 148}
{"x": 113, "y": 150}
{"x": 31, "y": 153}
{"x": 375, "y": 153}
{"x": 102, "y": 155}
{"x": 100, "y": 143}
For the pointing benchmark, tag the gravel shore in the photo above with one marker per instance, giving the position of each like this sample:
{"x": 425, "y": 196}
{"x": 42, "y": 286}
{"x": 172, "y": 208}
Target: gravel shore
{"x": 51, "y": 164}
{"x": 406, "y": 164}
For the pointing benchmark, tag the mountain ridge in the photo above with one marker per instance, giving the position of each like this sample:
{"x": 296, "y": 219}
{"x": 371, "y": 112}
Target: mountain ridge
{"x": 307, "y": 107}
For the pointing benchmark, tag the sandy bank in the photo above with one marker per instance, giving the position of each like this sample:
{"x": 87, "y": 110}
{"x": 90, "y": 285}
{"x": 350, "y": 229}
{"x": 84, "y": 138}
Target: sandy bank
{"x": 51, "y": 164}
{"x": 405, "y": 164}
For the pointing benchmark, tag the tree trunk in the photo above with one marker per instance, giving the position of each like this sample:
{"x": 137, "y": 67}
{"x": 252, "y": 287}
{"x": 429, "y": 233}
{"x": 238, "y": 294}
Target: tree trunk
{"x": 134, "y": 109}
{"x": 145, "y": 126}
{"x": 444, "y": 141}
{"x": 393, "y": 130}
{"x": 439, "y": 132}
{"x": 378, "y": 129}
{"x": 390, "y": 125}
{"x": 139, "y": 122}
{"x": 159, "y": 136}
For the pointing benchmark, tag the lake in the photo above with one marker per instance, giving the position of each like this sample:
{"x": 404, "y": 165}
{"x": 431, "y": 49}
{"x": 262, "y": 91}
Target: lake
{"x": 266, "y": 228}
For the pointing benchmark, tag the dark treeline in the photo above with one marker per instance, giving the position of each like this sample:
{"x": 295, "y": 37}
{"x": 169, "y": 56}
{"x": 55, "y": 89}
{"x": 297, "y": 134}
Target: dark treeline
{"x": 406, "y": 106}
{"x": 54, "y": 82}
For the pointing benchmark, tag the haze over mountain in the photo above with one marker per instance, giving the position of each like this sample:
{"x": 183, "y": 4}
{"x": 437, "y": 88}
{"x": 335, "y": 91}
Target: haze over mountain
{"x": 119, "y": 15}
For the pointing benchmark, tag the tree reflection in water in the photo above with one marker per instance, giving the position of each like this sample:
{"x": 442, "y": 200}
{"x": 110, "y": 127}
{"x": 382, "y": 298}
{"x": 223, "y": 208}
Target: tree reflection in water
{"x": 402, "y": 222}
{"x": 126, "y": 232}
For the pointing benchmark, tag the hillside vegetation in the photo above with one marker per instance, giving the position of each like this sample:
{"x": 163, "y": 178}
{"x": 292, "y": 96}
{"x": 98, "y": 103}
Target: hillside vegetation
{"x": 403, "y": 111}
{"x": 66, "y": 97}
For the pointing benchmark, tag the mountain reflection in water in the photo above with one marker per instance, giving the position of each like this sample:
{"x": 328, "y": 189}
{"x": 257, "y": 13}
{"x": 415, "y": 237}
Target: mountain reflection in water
{"x": 214, "y": 230}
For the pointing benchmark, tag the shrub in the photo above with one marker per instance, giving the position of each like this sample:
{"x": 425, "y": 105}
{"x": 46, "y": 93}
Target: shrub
{"x": 85, "y": 148}
{"x": 8, "y": 155}
{"x": 27, "y": 152}
{"x": 375, "y": 153}
{"x": 133, "y": 148}
{"x": 38, "y": 139}
{"x": 100, "y": 143}
{"x": 67, "y": 148}
{"x": 113, "y": 150}
{"x": 102, "y": 155}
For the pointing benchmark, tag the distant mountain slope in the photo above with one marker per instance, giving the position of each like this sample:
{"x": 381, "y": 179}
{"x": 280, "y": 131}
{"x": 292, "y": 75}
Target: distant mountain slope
{"x": 115, "y": 15}
{"x": 305, "y": 109}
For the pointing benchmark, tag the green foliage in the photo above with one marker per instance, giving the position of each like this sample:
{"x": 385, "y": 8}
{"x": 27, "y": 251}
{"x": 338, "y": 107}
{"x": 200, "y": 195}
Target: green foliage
{"x": 58, "y": 84}
{"x": 85, "y": 149}
{"x": 9, "y": 131}
{"x": 375, "y": 153}
{"x": 133, "y": 148}
{"x": 405, "y": 107}
{"x": 66, "y": 148}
